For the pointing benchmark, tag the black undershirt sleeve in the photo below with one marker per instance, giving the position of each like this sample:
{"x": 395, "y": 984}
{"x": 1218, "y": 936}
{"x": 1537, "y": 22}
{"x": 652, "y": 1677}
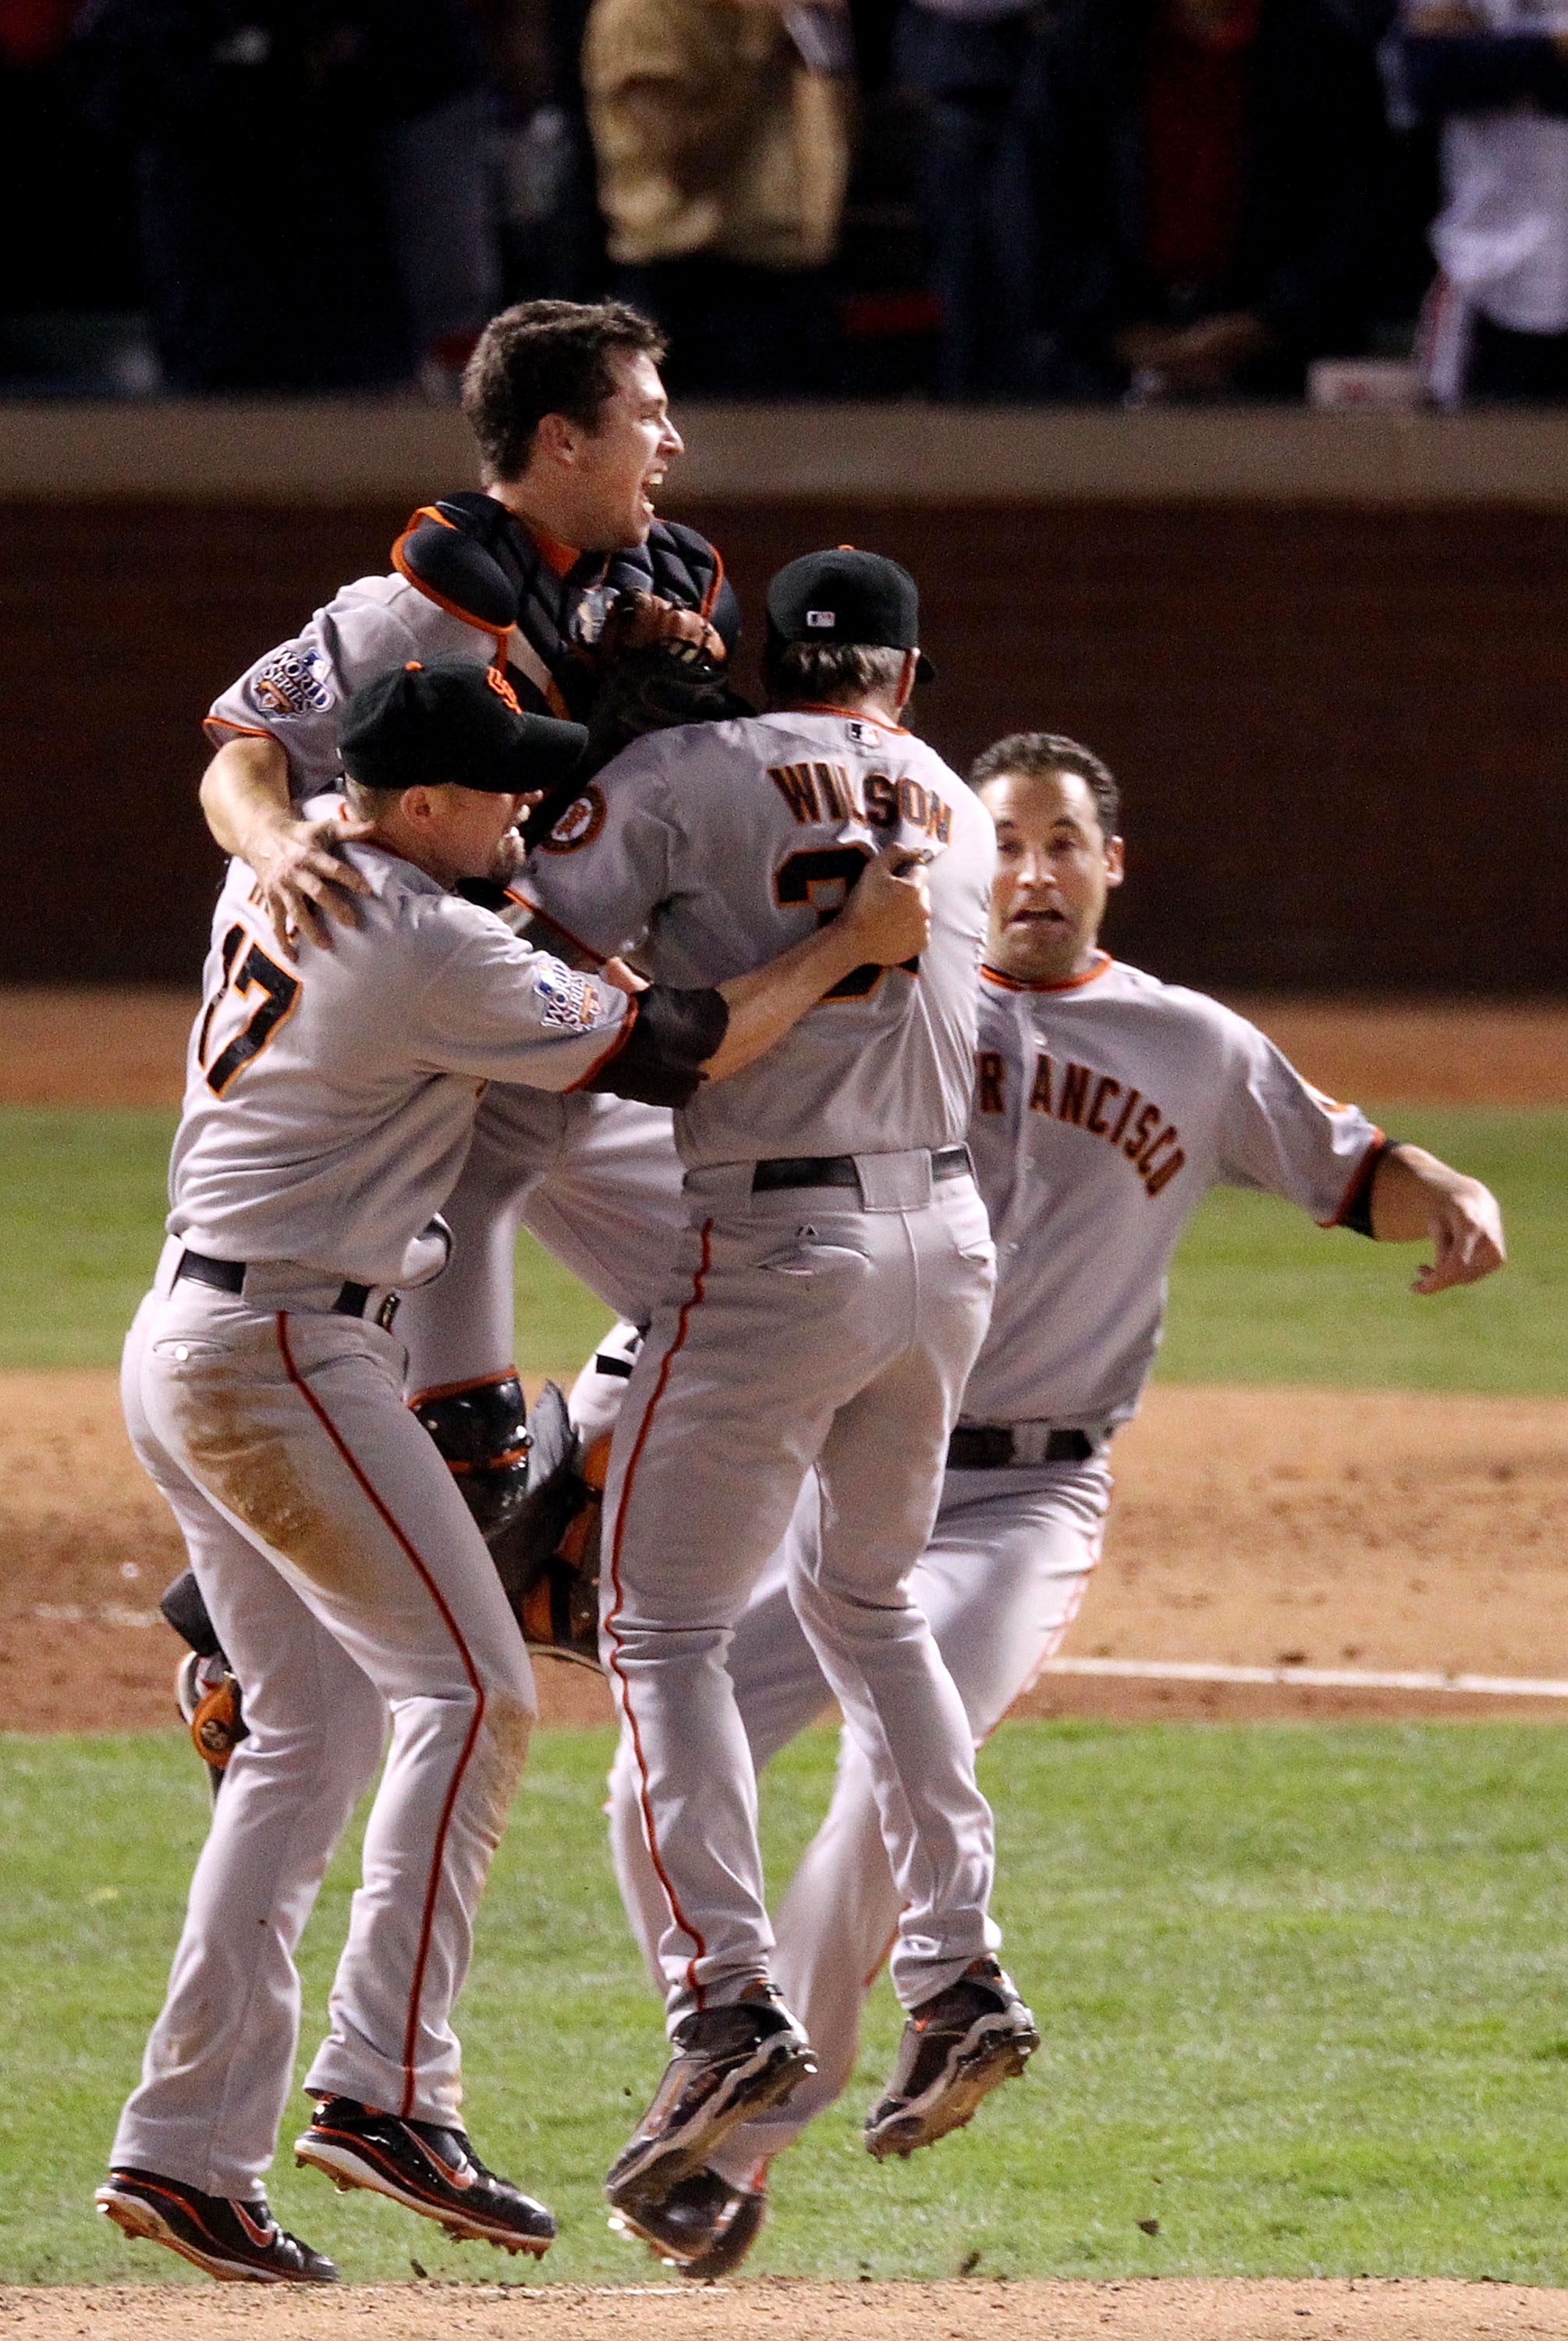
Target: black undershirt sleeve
{"x": 1358, "y": 1214}
{"x": 674, "y": 1035}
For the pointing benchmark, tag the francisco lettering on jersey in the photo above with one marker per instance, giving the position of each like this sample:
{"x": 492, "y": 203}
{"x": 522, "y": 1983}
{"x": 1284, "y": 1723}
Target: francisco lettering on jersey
{"x": 293, "y": 682}
{"x": 827, "y": 793}
{"x": 1091, "y": 1102}
{"x": 565, "y": 998}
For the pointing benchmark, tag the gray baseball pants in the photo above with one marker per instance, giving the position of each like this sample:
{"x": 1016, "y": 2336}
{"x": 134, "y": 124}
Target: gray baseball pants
{"x": 1001, "y": 1580}
{"x": 598, "y": 1180}
{"x": 803, "y": 1328}
{"x": 352, "y": 1591}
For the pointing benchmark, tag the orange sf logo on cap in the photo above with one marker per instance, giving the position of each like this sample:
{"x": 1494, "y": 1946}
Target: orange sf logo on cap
{"x": 501, "y": 688}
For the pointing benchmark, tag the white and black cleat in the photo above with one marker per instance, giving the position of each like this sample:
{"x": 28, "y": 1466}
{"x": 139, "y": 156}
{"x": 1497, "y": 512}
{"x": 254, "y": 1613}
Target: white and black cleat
{"x": 957, "y": 2047}
{"x": 730, "y": 2064}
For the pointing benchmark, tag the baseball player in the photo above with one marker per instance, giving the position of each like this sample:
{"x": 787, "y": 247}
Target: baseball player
{"x": 329, "y": 1101}
{"x": 1105, "y": 1104}
{"x": 559, "y": 576}
{"x": 831, "y": 1292}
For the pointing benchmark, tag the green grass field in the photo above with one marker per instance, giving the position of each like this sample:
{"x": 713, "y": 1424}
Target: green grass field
{"x": 1258, "y": 1294}
{"x": 1305, "y": 1995}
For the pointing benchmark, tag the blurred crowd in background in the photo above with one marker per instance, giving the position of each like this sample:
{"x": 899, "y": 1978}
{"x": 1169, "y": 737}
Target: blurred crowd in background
{"x": 984, "y": 200}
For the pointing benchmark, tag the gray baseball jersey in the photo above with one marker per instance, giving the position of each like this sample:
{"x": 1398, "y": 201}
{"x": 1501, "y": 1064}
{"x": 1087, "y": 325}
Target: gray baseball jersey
{"x": 330, "y": 1101}
{"x": 1104, "y": 1108}
{"x": 295, "y": 692}
{"x": 717, "y": 845}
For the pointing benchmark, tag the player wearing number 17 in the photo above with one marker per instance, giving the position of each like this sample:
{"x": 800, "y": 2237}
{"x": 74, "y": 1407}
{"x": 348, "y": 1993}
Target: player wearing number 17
{"x": 835, "y": 1286}
{"x": 329, "y": 1104}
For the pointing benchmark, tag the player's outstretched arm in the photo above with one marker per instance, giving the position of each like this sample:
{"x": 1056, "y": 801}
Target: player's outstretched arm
{"x": 1416, "y": 1196}
{"x": 245, "y": 798}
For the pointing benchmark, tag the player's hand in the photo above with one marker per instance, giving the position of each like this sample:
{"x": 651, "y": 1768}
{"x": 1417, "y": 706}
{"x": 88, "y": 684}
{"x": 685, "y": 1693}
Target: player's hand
{"x": 303, "y": 880}
{"x": 638, "y": 621}
{"x": 622, "y": 978}
{"x": 1466, "y": 1230}
{"x": 889, "y": 912}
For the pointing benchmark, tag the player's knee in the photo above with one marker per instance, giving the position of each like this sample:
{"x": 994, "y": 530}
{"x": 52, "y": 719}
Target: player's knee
{"x": 479, "y": 1429}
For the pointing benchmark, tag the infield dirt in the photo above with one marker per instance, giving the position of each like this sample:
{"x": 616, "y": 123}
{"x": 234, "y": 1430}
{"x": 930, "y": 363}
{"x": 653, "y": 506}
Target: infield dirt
{"x": 784, "y": 2309}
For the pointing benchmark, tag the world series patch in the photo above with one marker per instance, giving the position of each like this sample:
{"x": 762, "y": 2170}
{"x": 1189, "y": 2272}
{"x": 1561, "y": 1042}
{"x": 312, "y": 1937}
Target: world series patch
{"x": 293, "y": 682}
{"x": 579, "y": 825}
{"x": 565, "y": 1000}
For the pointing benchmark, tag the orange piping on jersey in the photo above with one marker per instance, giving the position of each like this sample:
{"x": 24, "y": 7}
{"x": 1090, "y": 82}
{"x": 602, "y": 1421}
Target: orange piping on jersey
{"x": 705, "y": 608}
{"x": 437, "y": 1850}
{"x": 699, "y": 1284}
{"x": 211, "y": 723}
{"x": 561, "y": 558}
{"x": 455, "y": 1389}
{"x": 622, "y": 1034}
{"x": 850, "y": 715}
{"x": 1359, "y": 1178}
{"x": 588, "y": 950}
{"x": 498, "y": 634}
{"x": 1069, "y": 983}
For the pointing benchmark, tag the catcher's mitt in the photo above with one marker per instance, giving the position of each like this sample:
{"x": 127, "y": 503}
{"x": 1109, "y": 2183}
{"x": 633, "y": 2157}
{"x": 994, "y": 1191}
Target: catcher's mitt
{"x": 548, "y": 1558}
{"x": 658, "y": 666}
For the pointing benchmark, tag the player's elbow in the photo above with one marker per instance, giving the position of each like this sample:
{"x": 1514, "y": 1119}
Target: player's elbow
{"x": 671, "y": 1047}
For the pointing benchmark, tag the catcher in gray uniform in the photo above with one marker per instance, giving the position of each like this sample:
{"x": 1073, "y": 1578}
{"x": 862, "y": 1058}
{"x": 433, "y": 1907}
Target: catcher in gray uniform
{"x": 559, "y": 576}
{"x": 1107, "y": 1103}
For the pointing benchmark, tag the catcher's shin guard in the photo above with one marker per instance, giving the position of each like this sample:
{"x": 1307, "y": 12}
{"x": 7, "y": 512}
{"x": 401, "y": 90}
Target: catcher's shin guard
{"x": 548, "y": 1559}
{"x": 479, "y": 1428}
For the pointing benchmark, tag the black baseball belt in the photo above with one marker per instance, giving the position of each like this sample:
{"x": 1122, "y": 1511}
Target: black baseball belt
{"x": 229, "y": 1276}
{"x": 839, "y": 1170}
{"x": 996, "y": 1446}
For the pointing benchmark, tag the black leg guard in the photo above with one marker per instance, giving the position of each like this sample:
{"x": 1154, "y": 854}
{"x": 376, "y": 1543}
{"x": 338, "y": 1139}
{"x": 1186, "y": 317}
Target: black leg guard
{"x": 479, "y": 1428}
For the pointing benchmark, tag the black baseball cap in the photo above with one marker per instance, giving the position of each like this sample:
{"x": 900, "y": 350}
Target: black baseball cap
{"x": 451, "y": 720}
{"x": 848, "y": 596}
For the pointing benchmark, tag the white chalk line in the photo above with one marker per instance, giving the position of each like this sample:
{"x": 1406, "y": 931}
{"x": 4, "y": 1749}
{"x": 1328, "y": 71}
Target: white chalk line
{"x": 1309, "y": 1678}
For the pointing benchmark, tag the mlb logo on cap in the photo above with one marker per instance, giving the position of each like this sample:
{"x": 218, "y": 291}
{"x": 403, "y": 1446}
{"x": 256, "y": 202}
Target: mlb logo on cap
{"x": 847, "y": 595}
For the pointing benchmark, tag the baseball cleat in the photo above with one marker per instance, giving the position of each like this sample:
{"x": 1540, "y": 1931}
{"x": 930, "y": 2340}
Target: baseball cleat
{"x": 427, "y": 2168}
{"x": 958, "y": 2047}
{"x": 704, "y": 2226}
{"x": 238, "y": 2243}
{"x": 731, "y": 2063}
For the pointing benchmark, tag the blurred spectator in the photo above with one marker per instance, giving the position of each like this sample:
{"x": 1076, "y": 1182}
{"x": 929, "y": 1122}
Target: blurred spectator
{"x": 542, "y": 156}
{"x": 1212, "y": 176}
{"x": 968, "y": 59}
{"x": 310, "y": 183}
{"x": 1494, "y": 74}
{"x": 721, "y": 132}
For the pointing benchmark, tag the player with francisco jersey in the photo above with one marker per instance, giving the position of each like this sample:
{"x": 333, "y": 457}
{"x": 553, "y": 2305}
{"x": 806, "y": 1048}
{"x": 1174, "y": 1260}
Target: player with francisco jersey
{"x": 1107, "y": 1103}
{"x": 825, "y": 1307}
